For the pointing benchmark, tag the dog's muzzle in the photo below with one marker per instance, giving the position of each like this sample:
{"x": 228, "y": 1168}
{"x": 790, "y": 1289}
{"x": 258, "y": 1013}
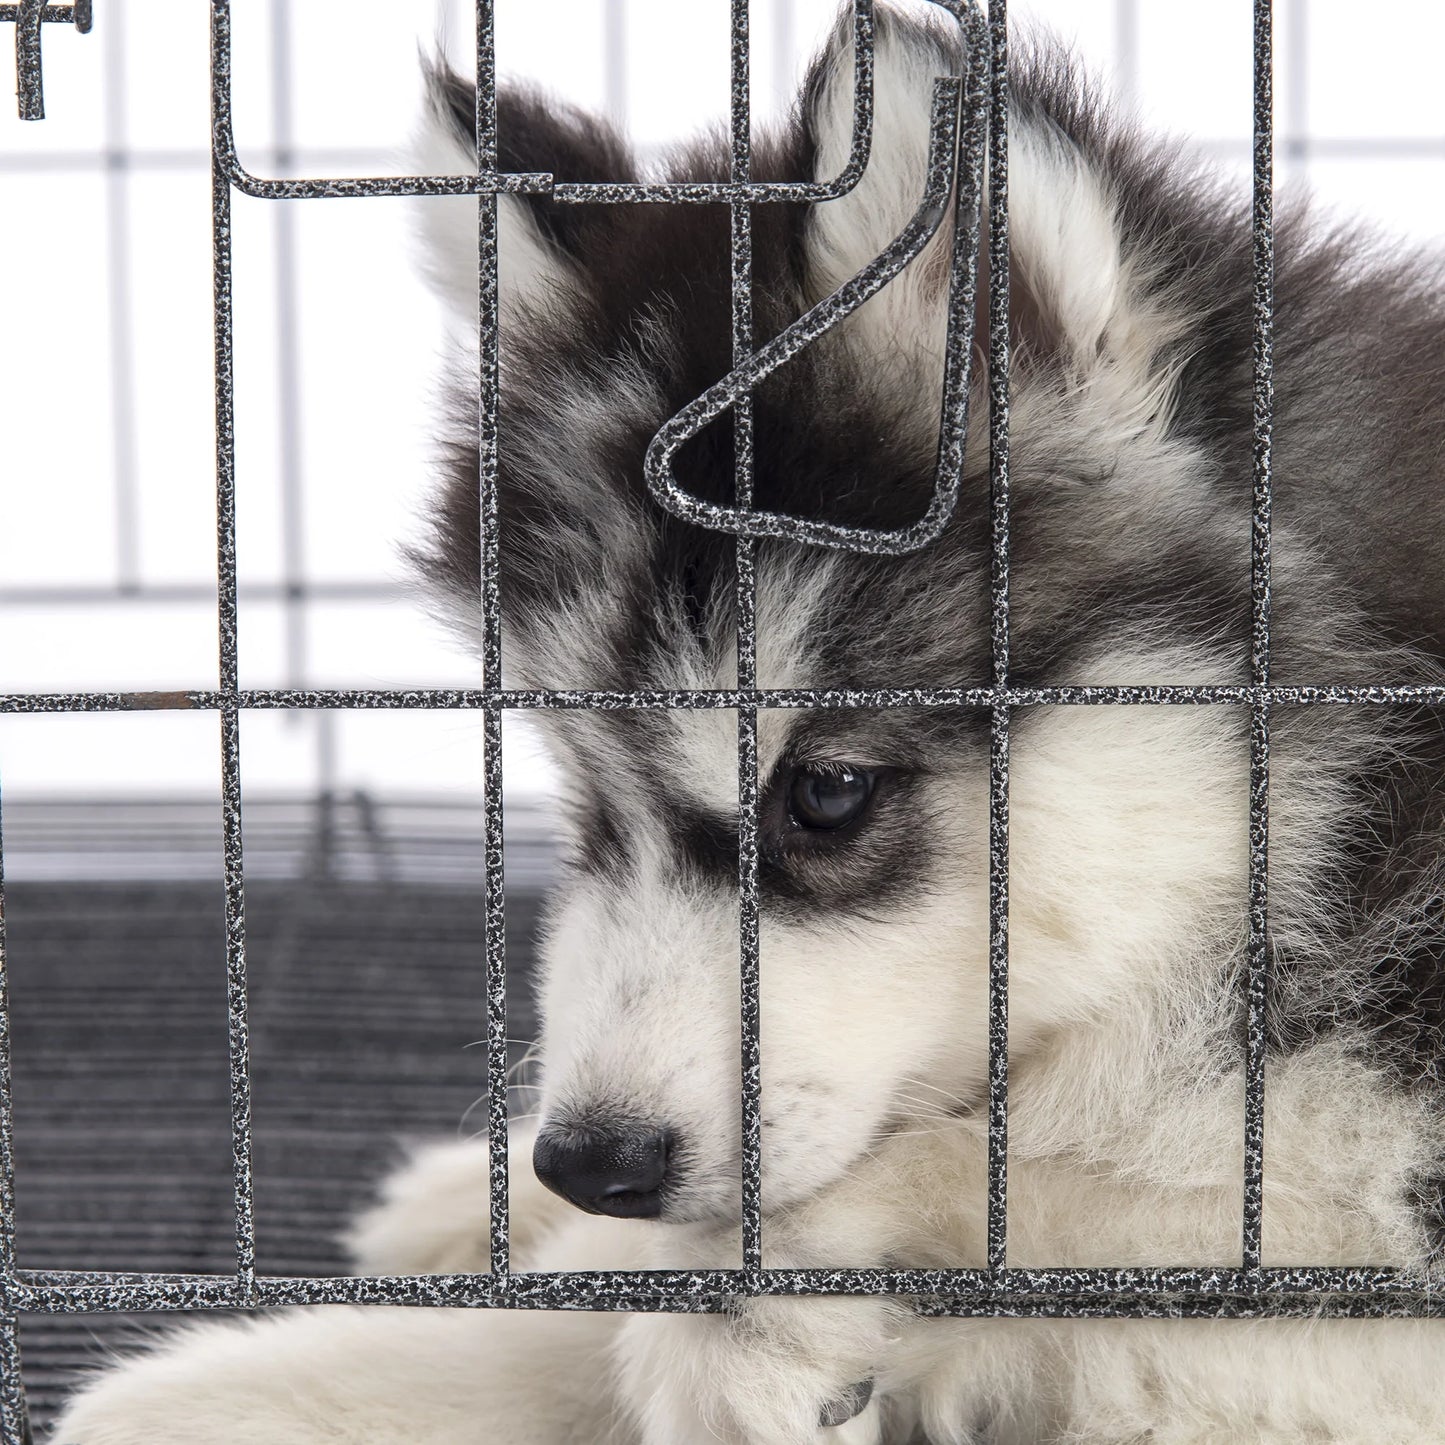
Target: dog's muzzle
{"x": 619, "y": 1169}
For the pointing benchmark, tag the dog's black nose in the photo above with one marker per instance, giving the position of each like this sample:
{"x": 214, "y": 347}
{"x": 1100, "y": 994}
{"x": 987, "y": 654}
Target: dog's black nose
{"x": 615, "y": 1169}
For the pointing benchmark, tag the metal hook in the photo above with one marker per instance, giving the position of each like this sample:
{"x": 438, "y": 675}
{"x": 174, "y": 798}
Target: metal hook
{"x": 956, "y": 137}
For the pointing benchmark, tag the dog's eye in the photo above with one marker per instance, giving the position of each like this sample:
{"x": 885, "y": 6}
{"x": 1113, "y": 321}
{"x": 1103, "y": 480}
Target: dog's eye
{"x": 829, "y": 797}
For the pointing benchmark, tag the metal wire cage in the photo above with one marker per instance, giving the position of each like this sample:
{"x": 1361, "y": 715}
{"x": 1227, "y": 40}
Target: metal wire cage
{"x": 968, "y": 139}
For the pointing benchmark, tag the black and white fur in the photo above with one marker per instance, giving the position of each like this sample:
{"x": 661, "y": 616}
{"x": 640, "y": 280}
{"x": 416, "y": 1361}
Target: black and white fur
{"x": 1131, "y": 486}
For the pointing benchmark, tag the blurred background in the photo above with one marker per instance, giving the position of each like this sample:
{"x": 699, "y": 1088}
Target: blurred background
{"x": 362, "y": 828}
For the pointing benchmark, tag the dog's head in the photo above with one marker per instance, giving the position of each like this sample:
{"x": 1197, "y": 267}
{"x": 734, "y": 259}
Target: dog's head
{"x": 873, "y": 824}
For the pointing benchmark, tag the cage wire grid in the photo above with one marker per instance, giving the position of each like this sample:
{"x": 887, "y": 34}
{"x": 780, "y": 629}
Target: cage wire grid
{"x": 968, "y": 130}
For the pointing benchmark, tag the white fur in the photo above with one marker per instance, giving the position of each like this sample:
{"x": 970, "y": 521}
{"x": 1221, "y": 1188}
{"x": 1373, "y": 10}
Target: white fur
{"x": 847, "y": 233}
{"x": 366, "y": 1376}
{"x": 529, "y": 273}
{"x": 1063, "y": 232}
{"x": 1128, "y": 842}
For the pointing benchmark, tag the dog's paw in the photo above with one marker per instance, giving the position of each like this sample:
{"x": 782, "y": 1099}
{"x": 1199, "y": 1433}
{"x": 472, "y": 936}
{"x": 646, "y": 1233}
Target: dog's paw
{"x": 432, "y": 1216}
{"x": 775, "y": 1372}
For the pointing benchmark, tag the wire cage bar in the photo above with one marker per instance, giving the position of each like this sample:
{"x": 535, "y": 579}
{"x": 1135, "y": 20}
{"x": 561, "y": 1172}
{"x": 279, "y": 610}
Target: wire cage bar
{"x": 1257, "y": 961}
{"x": 969, "y": 133}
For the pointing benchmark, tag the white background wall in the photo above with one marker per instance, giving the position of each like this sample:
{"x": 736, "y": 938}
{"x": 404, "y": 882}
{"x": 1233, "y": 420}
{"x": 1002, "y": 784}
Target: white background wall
{"x": 106, "y": 434}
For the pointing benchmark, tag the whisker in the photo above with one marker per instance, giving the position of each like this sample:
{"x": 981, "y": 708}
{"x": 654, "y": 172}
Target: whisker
{"x": 927, "y": 1106}
{"x": 934, "y": 1088}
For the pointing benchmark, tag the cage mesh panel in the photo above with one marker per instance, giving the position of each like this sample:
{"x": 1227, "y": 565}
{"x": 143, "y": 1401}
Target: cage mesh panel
{"x": 959, "y": 145}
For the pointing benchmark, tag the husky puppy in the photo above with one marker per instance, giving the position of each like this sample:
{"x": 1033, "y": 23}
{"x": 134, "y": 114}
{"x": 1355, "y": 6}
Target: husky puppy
{"x": 1131, "y": 469}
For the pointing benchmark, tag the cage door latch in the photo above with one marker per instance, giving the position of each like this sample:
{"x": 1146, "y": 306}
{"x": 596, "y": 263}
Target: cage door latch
{"x": 27, "y": 17}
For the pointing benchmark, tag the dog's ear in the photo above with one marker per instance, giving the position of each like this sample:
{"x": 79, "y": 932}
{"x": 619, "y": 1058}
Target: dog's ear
{"x": 1077, "y": 295}
{"x": 538, "y": 242}
{"x": 842, "y": 236}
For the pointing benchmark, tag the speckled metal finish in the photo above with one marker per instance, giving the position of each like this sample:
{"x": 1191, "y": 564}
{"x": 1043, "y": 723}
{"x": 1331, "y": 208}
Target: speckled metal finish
{"x": 28, "y": 82}
{"x": 228, "y": 670}
{"x": 487, "y": 182}
{"x": 1323, "y": 1291}
{"x": 955, "y": 161}
{"x": 27, "y": 17}
{"x": 14, "y": 1422}
{"x": 78, "y": 15}
{"x": 749, "y": 985}
{"x": 494, "y": 885}
{"x": 1161, "y": 695}
{"x": 746, "y": 374}
{"x": 999, "y": 342}
{"x": 968, "y": 123}
{"x": 1257, "y": 943}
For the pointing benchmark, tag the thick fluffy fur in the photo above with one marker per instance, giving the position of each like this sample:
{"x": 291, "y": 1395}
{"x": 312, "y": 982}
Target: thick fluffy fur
{"x": 1131, "y": 484}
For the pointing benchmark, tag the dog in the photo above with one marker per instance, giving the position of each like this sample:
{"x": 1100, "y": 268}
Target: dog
{"x": 1131, "y": 522}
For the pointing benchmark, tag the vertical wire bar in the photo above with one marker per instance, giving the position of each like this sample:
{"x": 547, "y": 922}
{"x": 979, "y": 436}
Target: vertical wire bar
{"x": 14, "y": 1415}
{"x": 14, "y": 1410}
{"x": 238, "y": 1031}
{"x": 998, "y": 867}
{"x": 238, "y": 1025}
{"x": 122, "y": 312}
{"x": 1263, "y": 438}
{"x": 29, "y": 86}
{"x": 742, "y": 345}
{"x": 492, "y": 816}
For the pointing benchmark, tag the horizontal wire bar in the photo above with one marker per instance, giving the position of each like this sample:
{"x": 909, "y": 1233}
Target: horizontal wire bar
{"x": 575, "y": 193}
{"x": 1393, "y": 1305}
{"x": 689, "y": 699}
{"x": 49, "y": 14}
{"x": 64, "y": 1292}
{"x": 1405, "y": 1305}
